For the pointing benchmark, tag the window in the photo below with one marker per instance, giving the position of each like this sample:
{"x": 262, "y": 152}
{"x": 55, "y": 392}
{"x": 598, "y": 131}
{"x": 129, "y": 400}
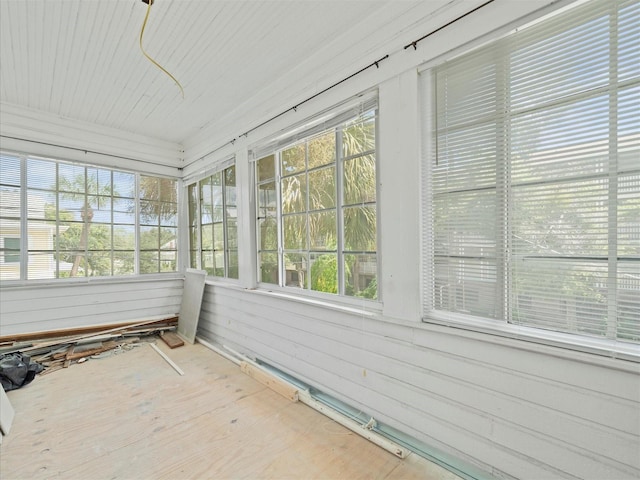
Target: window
{"x": 316, "y": 207}
{"x": 213, "y": 224}
{"x": 10, "y": 207}
{"x": 11, "y": 249}
{"x": 82, "y": 220}
{"x": 158, "y": 224}
{"x": 534, "y": 185}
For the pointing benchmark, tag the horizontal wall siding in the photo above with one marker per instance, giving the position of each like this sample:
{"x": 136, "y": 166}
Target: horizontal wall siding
{"x": 32, "y": 309}
{"x": 532, "y": 414}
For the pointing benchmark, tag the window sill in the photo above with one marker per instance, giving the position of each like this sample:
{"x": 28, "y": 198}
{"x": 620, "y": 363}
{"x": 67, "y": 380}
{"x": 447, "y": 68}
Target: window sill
{"x": 66, "y": 282}
{"x": 353, "y": 306}
{"x": 563, "y": 342}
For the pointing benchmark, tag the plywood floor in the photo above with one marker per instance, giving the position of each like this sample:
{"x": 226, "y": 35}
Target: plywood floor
{"x": 131, "y": 416}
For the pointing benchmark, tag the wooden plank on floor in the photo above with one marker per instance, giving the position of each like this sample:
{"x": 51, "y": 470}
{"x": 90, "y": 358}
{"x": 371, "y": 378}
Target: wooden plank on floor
{"x": 172, "y": 339}
{"x": 274, "y": 383}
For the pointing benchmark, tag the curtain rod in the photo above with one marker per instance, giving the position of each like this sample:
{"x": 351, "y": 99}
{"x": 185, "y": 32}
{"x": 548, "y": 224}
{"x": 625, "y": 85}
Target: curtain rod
{"x": 84, "y": 150}
{"x": 414, "y": 44}
{"x": 294, "y": 108}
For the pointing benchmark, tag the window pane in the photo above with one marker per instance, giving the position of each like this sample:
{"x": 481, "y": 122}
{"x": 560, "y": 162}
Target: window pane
{"x": 11, "y": 249}
{"x": 268, "y": 230}
{"x": 124, "y": 237}
{"x": 10, "y": 202}
{"x": 324, "y": 272}
{"x": 41, "y": 174}
{"x": 359, "y": 182}
{"x": 230, "y": 186}
{"x": 123, "y": 263}
{"x": 322, "y": 227}
{"x": 628, "y": 51}
{"x": 266, "y": 168}
{"x": 562, "y": 295}
{"x": 266, "y": 196}
{"x": 293, "y": 159}
{"x": 9, "y": 170}
{"x": 233, "y": 263}
{"x": 628, "y": 286}
{"x": 295, "y": 232}
{"x": 149, "y": 212}
{"x": 149, "y": 262}
{"x": 322, "y": 189}
{"x": 10, "y": 254}
{"x": 71, "y": 179}
{"x": 124, "y": 184}
{"x": 207, "y": 237}
{"x": 360, "y": 229}
{"x": 294, "y": 194}
{"x": 232, "y": 233}
{"x": 123, "y": 211}
{"x": 218, "y": 236}
{"x": 149, "y": 238}
{"x": 322, "y": 150}
{"x": 268, "y": 262}
{"x": 99, "y": 264}
{"x": 98, "y": 181}
{"x": 168, "y": 261}
{"x": 42, "y": 265}
{"x": 361, "y": 273}
{"x": 295, "y": 265}
{"x": 466, "y": 285}
{"x": 359, "y": 137}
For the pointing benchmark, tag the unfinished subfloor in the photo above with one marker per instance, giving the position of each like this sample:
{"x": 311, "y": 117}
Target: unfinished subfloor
{"x": 132, "y": 416}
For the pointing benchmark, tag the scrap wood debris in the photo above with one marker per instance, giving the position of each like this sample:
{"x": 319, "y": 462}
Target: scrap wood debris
{"x": 51, "y": 353}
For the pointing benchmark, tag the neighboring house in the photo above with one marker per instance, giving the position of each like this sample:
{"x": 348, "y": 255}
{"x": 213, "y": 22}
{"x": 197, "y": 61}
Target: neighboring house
{"x": 41, "y": 235}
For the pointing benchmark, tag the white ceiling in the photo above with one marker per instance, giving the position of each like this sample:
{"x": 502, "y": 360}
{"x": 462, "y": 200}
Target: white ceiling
{"x": 80, "y": 59}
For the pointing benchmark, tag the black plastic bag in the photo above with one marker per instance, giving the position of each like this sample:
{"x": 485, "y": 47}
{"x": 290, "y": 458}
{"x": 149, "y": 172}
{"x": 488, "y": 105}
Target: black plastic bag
{"x": 17, "y": 370}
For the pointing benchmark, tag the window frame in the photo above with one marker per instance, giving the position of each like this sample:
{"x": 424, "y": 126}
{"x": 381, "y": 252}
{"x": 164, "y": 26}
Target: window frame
{"x": 196, "y": 253}
{"x": 26, "y": 259}
{"x": 499, "y": 326}
{"x": 334, "y": 120}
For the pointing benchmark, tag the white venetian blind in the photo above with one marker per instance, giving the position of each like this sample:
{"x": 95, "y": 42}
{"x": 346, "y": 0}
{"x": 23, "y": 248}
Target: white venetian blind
{"x": 535, "y": 182}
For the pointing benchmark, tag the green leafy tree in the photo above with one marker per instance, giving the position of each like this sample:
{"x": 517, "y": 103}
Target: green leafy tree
{"x": 76, "y": 189}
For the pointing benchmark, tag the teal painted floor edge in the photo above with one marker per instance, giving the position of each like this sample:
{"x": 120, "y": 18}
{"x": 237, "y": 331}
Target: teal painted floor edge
{"x": 463, "y": 469}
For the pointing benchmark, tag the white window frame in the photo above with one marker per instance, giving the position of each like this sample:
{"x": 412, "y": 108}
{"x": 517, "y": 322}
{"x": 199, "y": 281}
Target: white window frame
{"x": 195, "y": 183}
{"x": 23, "y": 157}
{"x": 600, "y": 346}
{"x": 332, "y": 119}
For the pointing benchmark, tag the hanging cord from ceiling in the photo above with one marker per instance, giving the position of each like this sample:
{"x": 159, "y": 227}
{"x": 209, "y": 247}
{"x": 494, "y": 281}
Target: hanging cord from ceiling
{"x": 144, "y": 24}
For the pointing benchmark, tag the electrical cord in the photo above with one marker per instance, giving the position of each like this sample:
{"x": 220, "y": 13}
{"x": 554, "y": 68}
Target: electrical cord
{"x": 144, "y": 24}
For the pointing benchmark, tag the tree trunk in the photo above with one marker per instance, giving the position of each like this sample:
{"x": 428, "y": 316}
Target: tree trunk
{"x": 87, "y": 216}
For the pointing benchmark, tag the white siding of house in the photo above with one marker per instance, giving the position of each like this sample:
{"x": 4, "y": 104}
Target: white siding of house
{"x": 76, "y": 304}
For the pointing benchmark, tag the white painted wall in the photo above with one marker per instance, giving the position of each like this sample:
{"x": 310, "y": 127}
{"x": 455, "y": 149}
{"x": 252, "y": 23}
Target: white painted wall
{"x": 512, "y": 408}
{"x": 70, "y": 304}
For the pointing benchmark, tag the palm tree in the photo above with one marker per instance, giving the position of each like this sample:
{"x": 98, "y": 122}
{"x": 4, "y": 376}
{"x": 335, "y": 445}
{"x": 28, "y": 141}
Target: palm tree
{"x": 358, "y": 199}
{"x": 84, "y": 187}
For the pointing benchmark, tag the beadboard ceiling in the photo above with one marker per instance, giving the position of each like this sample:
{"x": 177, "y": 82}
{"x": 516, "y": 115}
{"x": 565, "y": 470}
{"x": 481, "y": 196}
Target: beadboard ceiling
{"x": 80, "y": 59}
